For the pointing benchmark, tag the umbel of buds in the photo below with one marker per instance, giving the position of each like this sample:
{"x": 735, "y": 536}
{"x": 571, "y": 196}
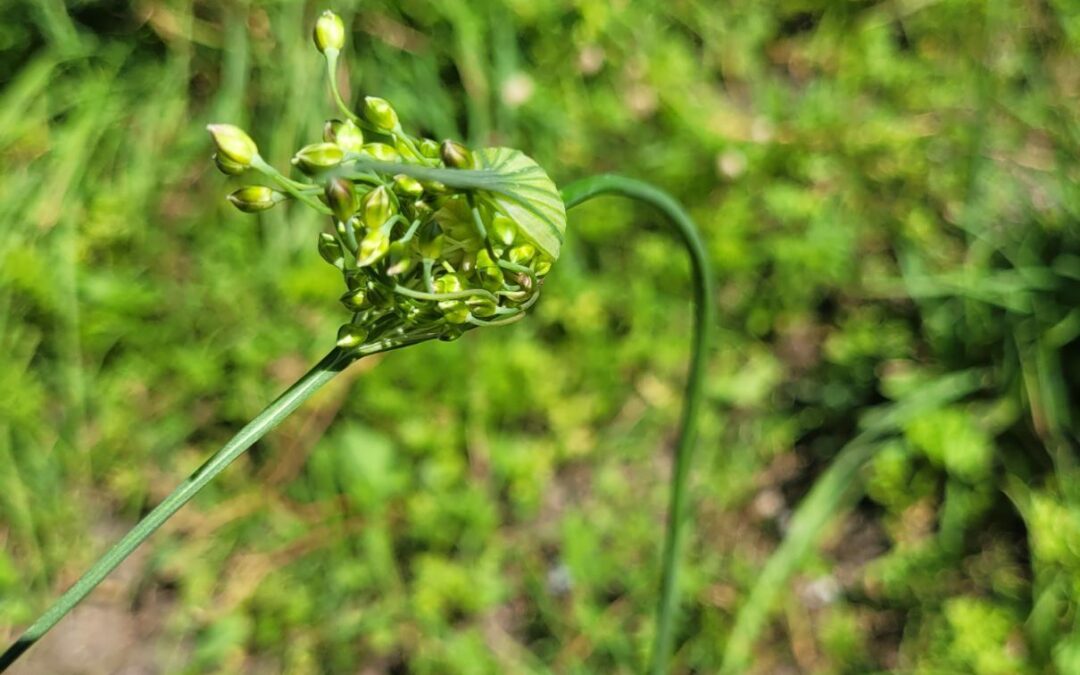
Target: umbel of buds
{"x": 431, "y": 238}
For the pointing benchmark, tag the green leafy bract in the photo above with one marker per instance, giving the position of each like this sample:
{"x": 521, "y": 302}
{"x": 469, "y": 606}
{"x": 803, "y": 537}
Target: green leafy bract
{"x": 523, "y": 192}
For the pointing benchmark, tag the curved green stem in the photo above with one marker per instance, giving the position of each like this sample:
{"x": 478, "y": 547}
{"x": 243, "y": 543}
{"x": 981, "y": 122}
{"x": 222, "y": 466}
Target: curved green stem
{"x": 325, "y": 370}
{"x": 577, "y": 193}
{"x": 453, "y": 295}
{"x": 331, "y": 71}
{"x": 288, "y": 185}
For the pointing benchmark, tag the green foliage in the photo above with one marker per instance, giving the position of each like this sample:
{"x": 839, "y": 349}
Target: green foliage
{"x": 889, "y": 194}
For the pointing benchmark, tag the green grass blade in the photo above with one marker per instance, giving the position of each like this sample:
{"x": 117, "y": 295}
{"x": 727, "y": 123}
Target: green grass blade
{"x": 835, "y": 488}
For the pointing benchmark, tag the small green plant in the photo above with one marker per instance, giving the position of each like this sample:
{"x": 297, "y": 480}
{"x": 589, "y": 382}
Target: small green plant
{"x": 432, "y": 240}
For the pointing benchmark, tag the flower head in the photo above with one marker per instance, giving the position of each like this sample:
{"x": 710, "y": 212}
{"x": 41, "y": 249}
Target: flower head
{"x": 431, "y": 239}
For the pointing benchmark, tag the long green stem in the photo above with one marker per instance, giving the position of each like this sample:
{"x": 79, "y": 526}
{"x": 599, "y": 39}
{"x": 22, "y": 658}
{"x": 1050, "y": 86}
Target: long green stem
{"x": 331, "y": 71}
{"x": 270, "y": 417}
{"x": 283, "y": 181}
{"x": 577, "y": 193}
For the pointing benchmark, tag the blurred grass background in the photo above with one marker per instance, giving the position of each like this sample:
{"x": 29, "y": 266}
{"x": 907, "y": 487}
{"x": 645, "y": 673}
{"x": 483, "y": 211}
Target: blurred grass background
{"x": 887, "y": 477}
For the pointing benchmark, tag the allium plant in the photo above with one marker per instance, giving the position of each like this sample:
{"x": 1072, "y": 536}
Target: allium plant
{"x": 432, "y": 239}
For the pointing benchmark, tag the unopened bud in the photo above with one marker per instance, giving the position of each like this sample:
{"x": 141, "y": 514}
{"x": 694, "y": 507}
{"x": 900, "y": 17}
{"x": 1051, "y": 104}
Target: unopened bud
{"x": 233, "y": 144}
{"x": 380, "y": 113}
{"x": 422, "y": 209}
{"x": 429, "y": 148}
{"x": 373, "y": 247}
{"x": 430, "y": 241}
{"x": 380, "y": 152}
{"x": 350, "y": 335}
{"x": 455, "y": 155}
{"x": 448, "y": 283}
{"x": 330, "y": 250}
{"x": 407, "y": 185}
{"x": 345, "y": 134}
{"x": 227, "y": 166}
{"x": 488, "y": 272}
{"x": 355, "y": 300}
{"x": 400, "y": 259}
{"x": 329, "y": 32}
{"x": 503, "y": 230}
{"x": 341, "y": 198}
{"x": 455, "y": 311}
{"x": 481, "y": 306}
{"x": 255, "y": 198}
{"x": 375, "y": 208}
{"x": 318, "y": 157}
{"x": 522, "y": 254}
{"x": 542, "y": 265}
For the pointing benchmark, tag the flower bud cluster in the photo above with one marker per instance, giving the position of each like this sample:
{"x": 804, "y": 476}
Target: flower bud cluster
{"x": 422, "y": 248}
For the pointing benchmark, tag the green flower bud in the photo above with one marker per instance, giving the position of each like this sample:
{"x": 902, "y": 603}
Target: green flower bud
{"x": 341, "y": 198}
{"x": 345, "y": 134}
{"x": 380, "y": 113}
{"x": 430, "y": 241}
{"x": 502, "y": 230}
{"x": 233, "y": 144}
{"x": 400, "y": 259}
{"x": 429, "y": 148}
{"x": 448, "y": 283}
{"x": 255, "y": 198}
{"x": 317, "y": 157}
{"x": 480, "y": 306}
{"x": 522, "y": 254}
{"x": 402, "y": 148}
{"x": 542, "y": 264}
{"x": 330, "y": 250}
{"x": 373, "y": 247}
{"x": 407, "y": 185}
{"x": 422, "y": 210}
{"x": 329, "y": 32}
{"x": 376, "y": 208}
{"x": 455, "y": 311}
{"x": 227, "y": 166}
{"x": 381, "y": 152}
{"x": 488, "y": 272}
{"x": 351, "y": 335}
{"x": 455, "y": 155}
{"x": 356, "y": 299}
